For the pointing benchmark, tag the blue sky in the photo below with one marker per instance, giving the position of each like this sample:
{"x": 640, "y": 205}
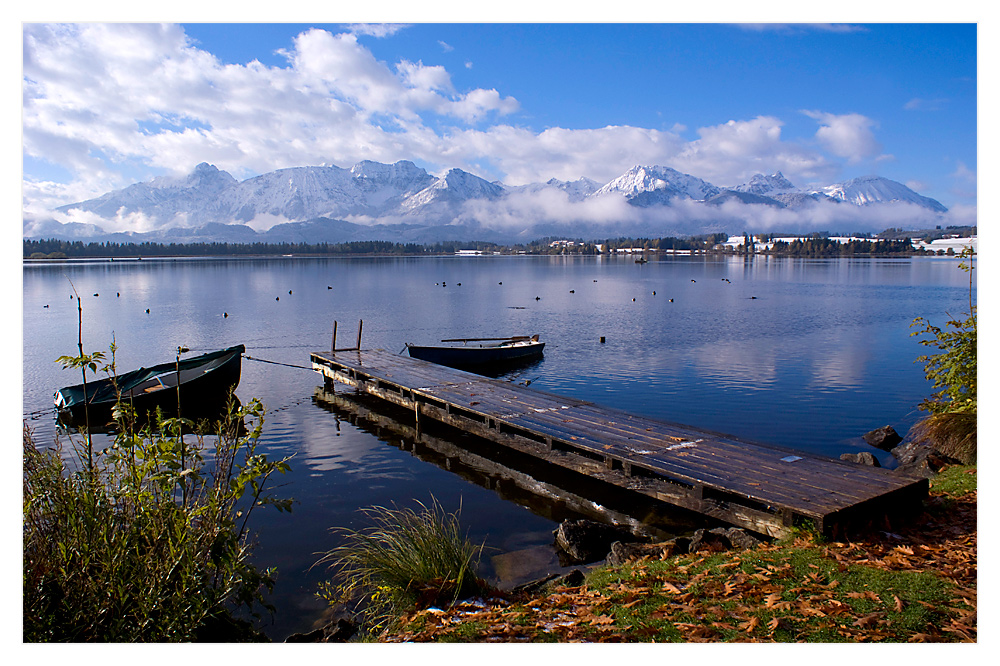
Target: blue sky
{"x": 105, "y": 105}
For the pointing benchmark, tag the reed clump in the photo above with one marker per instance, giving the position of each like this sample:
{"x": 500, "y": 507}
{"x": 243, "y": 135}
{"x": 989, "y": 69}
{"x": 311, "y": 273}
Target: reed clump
{"x": 405, "y": 559}
{"x": 147, "y": 539}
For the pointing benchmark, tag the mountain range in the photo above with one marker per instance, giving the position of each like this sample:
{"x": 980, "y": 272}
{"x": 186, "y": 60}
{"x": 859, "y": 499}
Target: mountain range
{"x": 401, "y": 201}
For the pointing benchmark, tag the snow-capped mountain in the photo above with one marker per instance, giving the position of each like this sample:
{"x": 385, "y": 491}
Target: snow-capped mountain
{"x": 372, "y": 201}
{"x": 650, "y": 185}
{"x": 766, "y": 186}
{"x": 444, "y": 194}
{"x": 197, "y": 193}
{"x": 578, "y": 190}
{"x": 743, "y": 198}
{"x": 869, "y": 190}
{"x": 369, "y": 189}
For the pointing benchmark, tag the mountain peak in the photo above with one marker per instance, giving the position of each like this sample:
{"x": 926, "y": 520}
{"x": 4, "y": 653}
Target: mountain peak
{"x": 648, "y": 185}
{"x": 762, "y": 185}
{"x": 377, "y": 194}
{"x": 869, "y": 190}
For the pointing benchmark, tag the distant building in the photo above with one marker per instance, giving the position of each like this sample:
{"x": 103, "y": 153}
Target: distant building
{"x": 954, "y": 243}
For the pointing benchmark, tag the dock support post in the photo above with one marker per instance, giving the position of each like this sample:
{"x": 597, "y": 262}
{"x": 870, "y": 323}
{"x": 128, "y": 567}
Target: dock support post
{"x": 333, "y": 343}
{"x": 360, "y": 323}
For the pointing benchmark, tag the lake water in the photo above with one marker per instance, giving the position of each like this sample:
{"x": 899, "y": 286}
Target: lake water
{"x": 804, "y": 353}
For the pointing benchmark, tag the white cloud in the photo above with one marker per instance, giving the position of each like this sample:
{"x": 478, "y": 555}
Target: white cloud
{"x": 524, "y": 156}
{"x": 109, "y": 101}
{"x": 376, "y": 29}
{"x": 964, "y": 173}
{"x": 100, "y": 95}
{"x": 917, "y": 103}
{"x": 802, "y": 27}
{"x": 850, "y": 135}
{"x": 965, "y": 182}
{"x": 731, "y": 153}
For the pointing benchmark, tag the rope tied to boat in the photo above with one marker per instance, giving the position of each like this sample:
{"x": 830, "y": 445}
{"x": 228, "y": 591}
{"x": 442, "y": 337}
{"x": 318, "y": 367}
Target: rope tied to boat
{"x": 264, "y": 360}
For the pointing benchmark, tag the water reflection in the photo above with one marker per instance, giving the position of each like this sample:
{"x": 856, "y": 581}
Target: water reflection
{"x": 547, "y": 490}
{"x": 821, "y": 355}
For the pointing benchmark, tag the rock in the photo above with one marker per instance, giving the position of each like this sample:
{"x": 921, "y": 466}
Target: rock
{"x": 721, "y": 538}
{"x": 623, "y": 552}
{"x": 340, "y": 628}
{"x": 585, "y": 541}
{"x": 224, "y": 628}
{"x": 572, "y": 579}
{"x": 883, "y": 438}
{"x": 920, "y": 460}
{"x": 738, "y": 538}
{"x": 909, "y": 452}
{"x": 315, "y": 636}
{"x": 863, "y": 458}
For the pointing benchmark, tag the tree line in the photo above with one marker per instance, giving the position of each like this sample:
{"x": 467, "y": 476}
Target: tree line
{"x": 814, "y": 246}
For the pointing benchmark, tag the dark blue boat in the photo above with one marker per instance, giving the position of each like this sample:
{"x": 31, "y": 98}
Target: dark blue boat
{"x": 205, "y": 384}
{"x": 467, "y": 353}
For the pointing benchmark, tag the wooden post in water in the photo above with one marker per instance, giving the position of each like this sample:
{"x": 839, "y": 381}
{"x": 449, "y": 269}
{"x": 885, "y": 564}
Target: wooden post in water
{"x": 333, "y": 344}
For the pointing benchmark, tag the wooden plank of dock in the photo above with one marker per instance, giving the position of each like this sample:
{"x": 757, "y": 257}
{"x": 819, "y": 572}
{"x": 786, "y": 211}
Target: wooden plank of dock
{"x": 764, "y": 488}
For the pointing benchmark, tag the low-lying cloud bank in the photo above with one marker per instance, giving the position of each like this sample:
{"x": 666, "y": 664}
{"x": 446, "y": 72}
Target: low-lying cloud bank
{"x": 553, "y": 209}
{"x": 529, "y": 215}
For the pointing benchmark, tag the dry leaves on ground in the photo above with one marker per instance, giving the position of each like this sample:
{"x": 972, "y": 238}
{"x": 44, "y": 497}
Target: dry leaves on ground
{"x": 756, "y": 595}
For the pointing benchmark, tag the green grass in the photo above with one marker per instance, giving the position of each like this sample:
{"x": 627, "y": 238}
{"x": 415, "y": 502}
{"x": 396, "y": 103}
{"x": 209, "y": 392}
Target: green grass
{"x": 798, "y": 595}
{"x": 956, "y": 480}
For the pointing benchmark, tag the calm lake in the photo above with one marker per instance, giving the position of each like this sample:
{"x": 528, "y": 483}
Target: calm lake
{"x": 804, "y": 353}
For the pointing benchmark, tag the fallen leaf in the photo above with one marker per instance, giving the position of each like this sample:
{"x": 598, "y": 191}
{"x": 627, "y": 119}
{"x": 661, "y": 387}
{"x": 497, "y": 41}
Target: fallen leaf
{"x": 866, "y": 621}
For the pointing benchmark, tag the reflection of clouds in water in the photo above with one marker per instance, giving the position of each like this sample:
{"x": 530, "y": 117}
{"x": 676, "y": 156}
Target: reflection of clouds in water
{"x": 325, "y": 443}
{"x": 840, "y": 358}
{"x": 737, "y": 364}
{"x": 834, "y": 360}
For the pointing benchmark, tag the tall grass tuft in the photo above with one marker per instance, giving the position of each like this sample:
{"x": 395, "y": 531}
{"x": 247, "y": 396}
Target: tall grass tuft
{"x": 146, "y": 540}
{"x": 951, "y": 433}
{"x": 406, "y": 559}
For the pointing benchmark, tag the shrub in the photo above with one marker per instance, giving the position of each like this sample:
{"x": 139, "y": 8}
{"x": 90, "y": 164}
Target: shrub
{"x": 951, "y": 425}
{"x": 146, "y": 540}
{"x": 405, "y": 559}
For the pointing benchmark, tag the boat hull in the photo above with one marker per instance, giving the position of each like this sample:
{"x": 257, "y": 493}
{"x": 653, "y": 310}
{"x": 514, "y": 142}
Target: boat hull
{"x": 206, "y": 382}
{"x": 477, "y": 356}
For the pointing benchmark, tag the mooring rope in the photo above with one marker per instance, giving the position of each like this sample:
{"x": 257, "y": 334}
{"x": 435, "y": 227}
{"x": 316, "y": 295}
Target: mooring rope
{"x": 264, "y": 360}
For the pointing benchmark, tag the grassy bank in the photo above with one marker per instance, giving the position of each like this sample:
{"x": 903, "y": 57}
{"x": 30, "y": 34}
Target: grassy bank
{"x": 903, "y": 583}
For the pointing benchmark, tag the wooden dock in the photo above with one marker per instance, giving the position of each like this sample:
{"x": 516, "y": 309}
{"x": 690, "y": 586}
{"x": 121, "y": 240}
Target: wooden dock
{"x": 766, "y": 489}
